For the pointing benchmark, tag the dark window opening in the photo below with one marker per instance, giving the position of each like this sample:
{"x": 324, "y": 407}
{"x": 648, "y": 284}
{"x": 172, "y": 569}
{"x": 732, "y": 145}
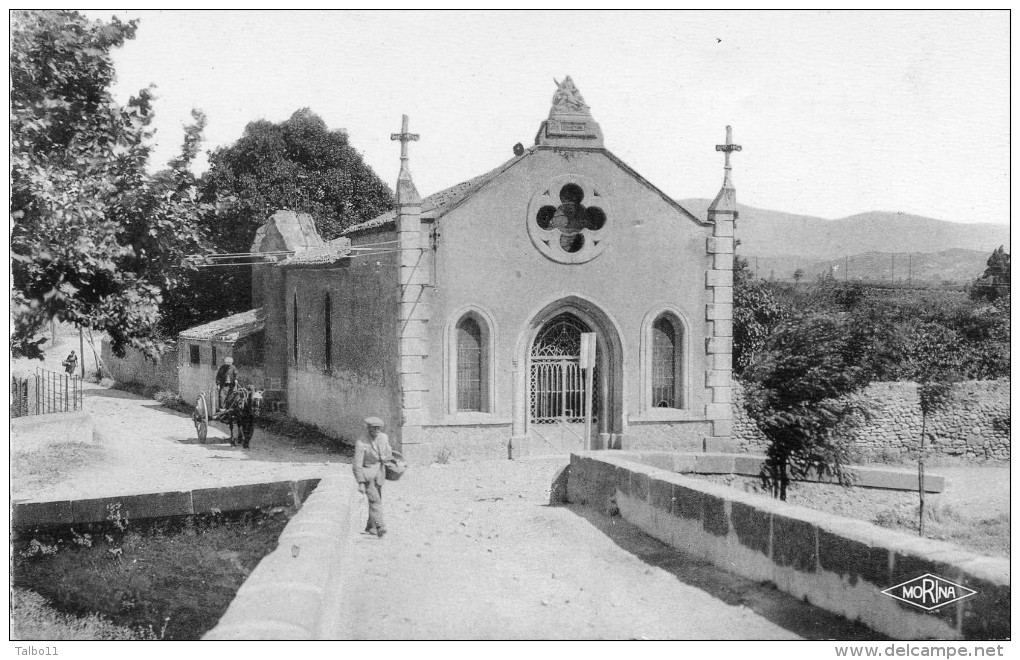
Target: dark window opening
{"x": 328, "y": 313}
{"x": 571, "y": 218}
{"x": 571, "y": 194}
{"x": 195, "y": 354}
{"x": 571, "y": 243}
{"x": 545, "y": 216}
{"x": 666, "y": 365}
{"x": 470, "y": 366}
{"x": 214, "y": 356}
{"x": 295, "y": 331}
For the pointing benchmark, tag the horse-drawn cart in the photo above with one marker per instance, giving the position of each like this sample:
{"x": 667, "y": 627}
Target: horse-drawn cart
{"x": 240, "y": 408}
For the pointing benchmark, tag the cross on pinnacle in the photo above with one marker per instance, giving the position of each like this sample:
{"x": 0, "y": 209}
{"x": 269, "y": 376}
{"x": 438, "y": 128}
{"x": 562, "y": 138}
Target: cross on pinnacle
{"x": 728, "y": 147}
{"x": 404, "y": 138}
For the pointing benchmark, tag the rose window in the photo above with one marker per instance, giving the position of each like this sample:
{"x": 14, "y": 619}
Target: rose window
{"x": 568, "y": 221}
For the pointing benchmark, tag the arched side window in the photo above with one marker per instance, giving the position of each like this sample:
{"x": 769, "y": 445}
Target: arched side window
{"x": 295, "y": 330}
{"x": 470, "y": 366}
{"x": 469, "y": 369}
{"x": 327, "y": 313}
{"x": 667, "y": 368}
{"x": 664, "y": 359}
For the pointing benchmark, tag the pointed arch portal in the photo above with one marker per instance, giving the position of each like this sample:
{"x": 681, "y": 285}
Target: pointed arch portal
{"x": 550, "y": 398}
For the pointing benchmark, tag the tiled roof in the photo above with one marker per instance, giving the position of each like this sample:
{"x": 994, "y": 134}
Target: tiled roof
{"x": 327, "y": 254}
{"x": 230, "y": 328}
{"x": 437, "y": 204}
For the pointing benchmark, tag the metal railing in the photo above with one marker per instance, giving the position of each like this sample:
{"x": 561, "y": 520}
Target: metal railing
{"x": 45, "y": 392}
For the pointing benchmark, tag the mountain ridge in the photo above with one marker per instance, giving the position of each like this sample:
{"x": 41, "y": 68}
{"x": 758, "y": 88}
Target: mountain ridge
{"x": 769, "y": 233}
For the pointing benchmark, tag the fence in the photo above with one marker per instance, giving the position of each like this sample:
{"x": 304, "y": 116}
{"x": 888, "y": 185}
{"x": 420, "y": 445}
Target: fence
{"x": 45, "y": 392}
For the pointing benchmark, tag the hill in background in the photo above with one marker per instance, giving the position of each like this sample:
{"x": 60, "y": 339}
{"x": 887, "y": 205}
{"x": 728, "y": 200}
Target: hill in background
{"x": 947, "y": 266}
{"x": 877, "y": 245}
{"x": 774, "y": 233}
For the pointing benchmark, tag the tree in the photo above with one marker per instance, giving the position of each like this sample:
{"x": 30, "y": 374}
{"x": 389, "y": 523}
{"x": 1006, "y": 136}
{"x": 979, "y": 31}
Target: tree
{"x": 798, "y": 275}
{"x": 298, "y": 164}
{"x": 938, "y": 359}
{"x": 798, "y": 392}
{"x": 95, "y": 239}
{"x": 756, "y": 311}
{"x": 994, "y": 282}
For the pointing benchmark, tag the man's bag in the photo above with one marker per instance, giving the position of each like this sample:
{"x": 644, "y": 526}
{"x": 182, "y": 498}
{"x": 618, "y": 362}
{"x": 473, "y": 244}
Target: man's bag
{"x": 395, "y": 467}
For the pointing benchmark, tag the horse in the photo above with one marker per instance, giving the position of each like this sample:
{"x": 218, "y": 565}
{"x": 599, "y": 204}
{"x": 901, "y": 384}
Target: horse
{"x": 241, "y": 408}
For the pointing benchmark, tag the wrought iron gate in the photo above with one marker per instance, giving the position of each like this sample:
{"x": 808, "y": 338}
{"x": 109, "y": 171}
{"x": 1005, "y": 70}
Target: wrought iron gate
{"x": 557, "y": 381}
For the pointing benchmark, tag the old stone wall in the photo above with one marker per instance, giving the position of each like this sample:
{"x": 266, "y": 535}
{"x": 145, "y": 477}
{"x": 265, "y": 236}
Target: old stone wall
{"x": 135, "y": 368}
{"x": 335, "y": 388}
{"x": 974, "y": 425}
{"x": 835, "y": 563}
{"x": 674, "y": 436}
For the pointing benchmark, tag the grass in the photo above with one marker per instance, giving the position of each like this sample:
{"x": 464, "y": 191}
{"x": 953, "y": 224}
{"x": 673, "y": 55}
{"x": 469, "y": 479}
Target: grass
{"x": 988, "y": 536}
{"x": 166, "y": 580}
{"x": 891, "y": 509}
{"x": 33, "y": 618}
{"x": 38, "y": 469}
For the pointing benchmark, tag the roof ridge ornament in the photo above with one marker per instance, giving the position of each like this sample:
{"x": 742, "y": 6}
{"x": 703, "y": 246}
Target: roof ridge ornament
{"x": 725, "y": 203}
{"x": 406, "y": 192}
{"x": 570, "y": 123}
{"x": 728, "y": 148}
{"x": 568, "y": 97}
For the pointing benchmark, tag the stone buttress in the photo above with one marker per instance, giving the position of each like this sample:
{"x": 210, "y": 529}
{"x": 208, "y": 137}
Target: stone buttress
{"x": 722, "y": 213}
{"x": 413, "y": 316}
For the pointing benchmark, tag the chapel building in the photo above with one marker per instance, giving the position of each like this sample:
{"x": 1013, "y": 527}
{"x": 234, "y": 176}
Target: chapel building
{"x": 458, "y": 318}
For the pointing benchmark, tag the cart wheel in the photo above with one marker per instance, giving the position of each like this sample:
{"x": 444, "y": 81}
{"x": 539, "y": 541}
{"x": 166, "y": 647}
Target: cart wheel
{"x": 201, "y": 418}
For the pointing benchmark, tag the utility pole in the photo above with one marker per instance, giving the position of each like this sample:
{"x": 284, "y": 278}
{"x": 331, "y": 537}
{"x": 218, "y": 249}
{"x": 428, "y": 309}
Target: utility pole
{"x": 910, "y": 268}
{"x": 846, "y": 267}
{"x": 81, "y": 350}
{"x": 756, "y": 268}
{"x": 892, "y": 268}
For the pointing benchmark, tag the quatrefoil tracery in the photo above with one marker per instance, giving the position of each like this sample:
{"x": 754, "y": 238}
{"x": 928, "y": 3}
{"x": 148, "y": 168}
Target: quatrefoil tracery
{"x": 572, "y": 230}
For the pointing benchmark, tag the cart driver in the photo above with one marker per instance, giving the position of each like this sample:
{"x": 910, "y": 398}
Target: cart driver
{"x": 226, "y": 380}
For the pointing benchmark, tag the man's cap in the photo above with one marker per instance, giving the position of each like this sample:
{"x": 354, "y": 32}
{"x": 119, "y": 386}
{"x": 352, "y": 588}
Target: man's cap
{"x": 228, "y": 360}
{"x": 374, "y": 421}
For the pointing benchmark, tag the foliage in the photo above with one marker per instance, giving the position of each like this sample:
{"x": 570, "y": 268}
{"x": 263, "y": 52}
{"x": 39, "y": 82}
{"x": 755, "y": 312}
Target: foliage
{"x": 994, "y": 282}
{"x": 298, "y": 164}
{"x": 756, "y": 311}
{"x": 797, "y": 391}
{"x": 890, "y": 325}
{"x": 95, "y": 239}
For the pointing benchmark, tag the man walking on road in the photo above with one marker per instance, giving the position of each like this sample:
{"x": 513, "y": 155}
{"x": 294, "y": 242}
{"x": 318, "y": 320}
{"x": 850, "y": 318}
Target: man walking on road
{"x": 371, "y": 451}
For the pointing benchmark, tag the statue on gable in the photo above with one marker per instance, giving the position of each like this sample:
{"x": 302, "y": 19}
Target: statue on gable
{"x": 568, "y": 97}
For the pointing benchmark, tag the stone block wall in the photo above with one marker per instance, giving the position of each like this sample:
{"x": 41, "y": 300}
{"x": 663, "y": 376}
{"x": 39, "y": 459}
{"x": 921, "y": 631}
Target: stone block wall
{"x": 835, "y": 563}
{"x": 134, "y": 368}
{"x": 974, "y": 425}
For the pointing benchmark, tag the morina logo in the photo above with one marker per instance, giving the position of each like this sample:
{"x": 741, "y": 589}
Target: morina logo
{"x": 929, "y": 592}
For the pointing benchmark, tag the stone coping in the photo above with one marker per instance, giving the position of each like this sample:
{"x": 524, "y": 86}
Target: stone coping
{"x": 750, "y": 465}
{"x": 836, "y": 563}
{"x": 295, "y": 591}
{"x": 32, "y": 514}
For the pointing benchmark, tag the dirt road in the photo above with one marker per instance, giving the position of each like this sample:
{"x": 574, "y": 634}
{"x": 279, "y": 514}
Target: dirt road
{"x": 144, "y": 447}
{"x": 476, "y": 552}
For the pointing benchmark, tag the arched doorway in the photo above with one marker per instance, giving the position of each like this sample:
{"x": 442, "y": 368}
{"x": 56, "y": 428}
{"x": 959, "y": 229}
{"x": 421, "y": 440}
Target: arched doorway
{"x": 551, "y": 412}
{"x": 558, "y": 396}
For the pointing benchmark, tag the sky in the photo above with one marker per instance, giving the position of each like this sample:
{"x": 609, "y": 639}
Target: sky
{"x": 838, "y": 112}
